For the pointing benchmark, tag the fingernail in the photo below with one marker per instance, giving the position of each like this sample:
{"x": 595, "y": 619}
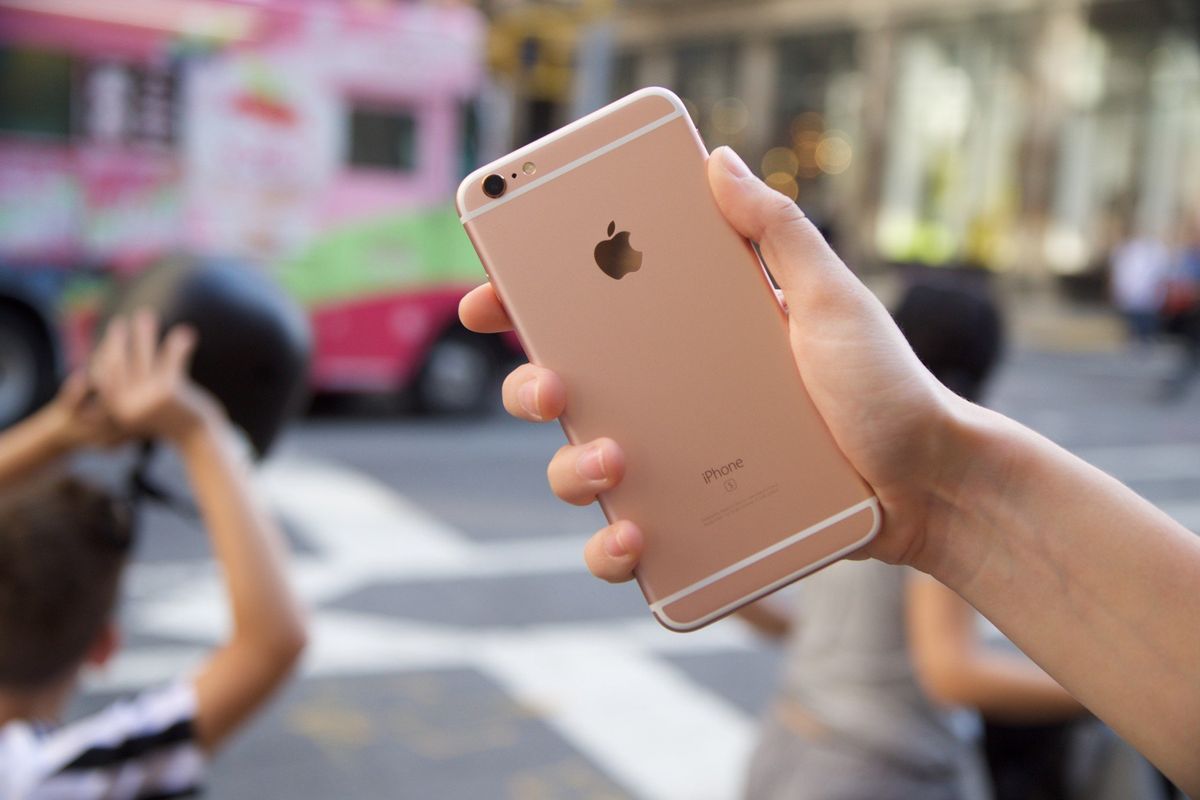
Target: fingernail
{"x": 614, "y": 545}
{"x": 591, "y": 464}
{"x": 527, "y": 397}
{"x": 733, "y": 163}
{"x": 622, "y": 540}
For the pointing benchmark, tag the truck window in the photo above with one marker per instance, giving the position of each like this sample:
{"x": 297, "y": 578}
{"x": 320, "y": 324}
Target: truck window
{"x": 383, "y": 139}
{"x": 469, "y": 150}
{"x": 129, "y": 103}
{"x": 35, "y": 93}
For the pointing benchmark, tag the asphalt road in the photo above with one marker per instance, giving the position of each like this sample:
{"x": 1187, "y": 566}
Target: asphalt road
{"x": 461, "y": 650}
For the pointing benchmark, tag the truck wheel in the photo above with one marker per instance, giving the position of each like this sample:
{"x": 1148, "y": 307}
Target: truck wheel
{"x": 458, "y": 374}
{"x": 26, "y": 367}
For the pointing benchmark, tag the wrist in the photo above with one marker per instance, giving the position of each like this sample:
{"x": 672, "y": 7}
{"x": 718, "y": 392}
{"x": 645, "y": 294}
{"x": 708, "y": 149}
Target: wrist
{"x": 52, "y": 427}
{"x": 203, "y": 420}
{"x": 974, "y": 487}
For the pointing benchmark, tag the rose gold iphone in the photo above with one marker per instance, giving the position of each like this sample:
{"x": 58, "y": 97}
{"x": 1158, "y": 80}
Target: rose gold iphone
{"x": 604, "y": 243}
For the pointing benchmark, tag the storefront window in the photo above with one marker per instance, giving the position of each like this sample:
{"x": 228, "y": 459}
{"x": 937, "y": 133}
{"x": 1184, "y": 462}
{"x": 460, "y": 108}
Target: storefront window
{"x": 1129, "y": 137}
{"x": 951, "y": 177}
{"x": 706, "y": 81}
{"x": 624, "y": 75}
{"x": 818, "y": 109}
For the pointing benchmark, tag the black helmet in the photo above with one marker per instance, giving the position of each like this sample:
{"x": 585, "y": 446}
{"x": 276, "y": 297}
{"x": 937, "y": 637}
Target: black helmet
{"x": 253, "y": 342}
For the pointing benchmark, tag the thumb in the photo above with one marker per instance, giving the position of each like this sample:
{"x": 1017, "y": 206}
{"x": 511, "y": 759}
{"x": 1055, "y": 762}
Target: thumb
{"x": 799, "y": 258}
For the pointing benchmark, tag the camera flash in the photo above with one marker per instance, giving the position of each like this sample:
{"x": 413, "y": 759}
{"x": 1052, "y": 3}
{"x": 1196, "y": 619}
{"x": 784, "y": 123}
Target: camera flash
{"x": 529, "y": 168}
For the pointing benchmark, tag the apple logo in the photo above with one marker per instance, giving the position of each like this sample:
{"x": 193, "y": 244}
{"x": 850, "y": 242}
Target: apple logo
{"x": 616, "y": 256}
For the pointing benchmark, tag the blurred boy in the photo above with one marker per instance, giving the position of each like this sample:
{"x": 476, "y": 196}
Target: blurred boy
{"x": 63, "y": 545}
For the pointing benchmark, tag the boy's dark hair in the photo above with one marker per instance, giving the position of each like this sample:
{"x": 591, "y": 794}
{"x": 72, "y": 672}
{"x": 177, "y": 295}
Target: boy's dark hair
{"x": 63, "y": 544}
{"x": 954, "y": 328}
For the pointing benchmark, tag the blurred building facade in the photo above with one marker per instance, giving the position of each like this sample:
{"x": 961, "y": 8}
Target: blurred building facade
{"x": 1024, "y": 136}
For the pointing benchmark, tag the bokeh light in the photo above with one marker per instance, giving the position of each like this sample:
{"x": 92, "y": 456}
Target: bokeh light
{"x": 806, "y": 154}
{"x": 781, "y": 160}
{"x": 806, "y": 124}
{"x": 730, "y": 116}
{"x": 833, "y": 154}
{"x": 785, "y": 183}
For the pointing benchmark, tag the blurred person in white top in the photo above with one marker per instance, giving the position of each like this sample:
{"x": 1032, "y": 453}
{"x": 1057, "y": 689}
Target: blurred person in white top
{"x": 1139, "y": 273}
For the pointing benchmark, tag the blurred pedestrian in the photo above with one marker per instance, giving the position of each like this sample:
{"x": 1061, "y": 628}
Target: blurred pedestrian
{"x": 1181, "y": 315}
{"x": 63, "y": 547}
{"x": 882, "y": 662}
{"x": 877, "y": 658}
{"x": 1139, "y": 272}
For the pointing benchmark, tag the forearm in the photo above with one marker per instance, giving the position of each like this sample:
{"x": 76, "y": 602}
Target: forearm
{"x": 30, "y": 446}
{"x": 1095, "y": 584}
{"x": 143, "y": 387}
{"x": 246, "y": 541}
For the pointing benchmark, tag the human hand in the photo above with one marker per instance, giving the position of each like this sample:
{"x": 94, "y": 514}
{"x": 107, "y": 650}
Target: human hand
{"x": 144, "y": 385}
{"x": 77, "y": 418}
{"x": 894, "y": 422}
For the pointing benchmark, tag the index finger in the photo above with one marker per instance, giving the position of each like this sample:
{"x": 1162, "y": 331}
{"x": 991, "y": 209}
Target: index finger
{"x": 481, "y": 311}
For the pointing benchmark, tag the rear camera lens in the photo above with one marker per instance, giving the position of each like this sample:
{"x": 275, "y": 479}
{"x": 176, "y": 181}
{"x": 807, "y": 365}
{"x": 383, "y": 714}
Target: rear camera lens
{"x": 494, "y": 185}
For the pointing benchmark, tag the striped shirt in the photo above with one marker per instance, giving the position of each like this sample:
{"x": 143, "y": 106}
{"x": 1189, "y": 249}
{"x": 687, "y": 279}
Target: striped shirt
{"x": 143, "y": 748}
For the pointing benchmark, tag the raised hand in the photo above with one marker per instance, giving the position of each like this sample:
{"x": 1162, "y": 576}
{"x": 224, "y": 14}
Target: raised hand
{"x": 77, "y": 417}
{"x": 143, "y": 384}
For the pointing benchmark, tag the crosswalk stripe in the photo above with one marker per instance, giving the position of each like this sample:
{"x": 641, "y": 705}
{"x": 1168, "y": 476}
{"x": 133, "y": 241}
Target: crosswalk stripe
{"x": 602, "y": 685}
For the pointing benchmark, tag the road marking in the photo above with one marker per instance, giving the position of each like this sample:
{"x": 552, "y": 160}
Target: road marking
{"x": 602, "y": 685}
{"x": 638, "y": 718}
{"x": 355, "y": 519}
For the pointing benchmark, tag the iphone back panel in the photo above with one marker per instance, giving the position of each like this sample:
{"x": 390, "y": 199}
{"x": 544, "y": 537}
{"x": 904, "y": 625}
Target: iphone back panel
{"x": 621, "y": 275}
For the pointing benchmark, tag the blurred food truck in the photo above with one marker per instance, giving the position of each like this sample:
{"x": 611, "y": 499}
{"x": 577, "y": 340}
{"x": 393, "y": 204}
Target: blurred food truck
{"x": 316, "y": 139}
